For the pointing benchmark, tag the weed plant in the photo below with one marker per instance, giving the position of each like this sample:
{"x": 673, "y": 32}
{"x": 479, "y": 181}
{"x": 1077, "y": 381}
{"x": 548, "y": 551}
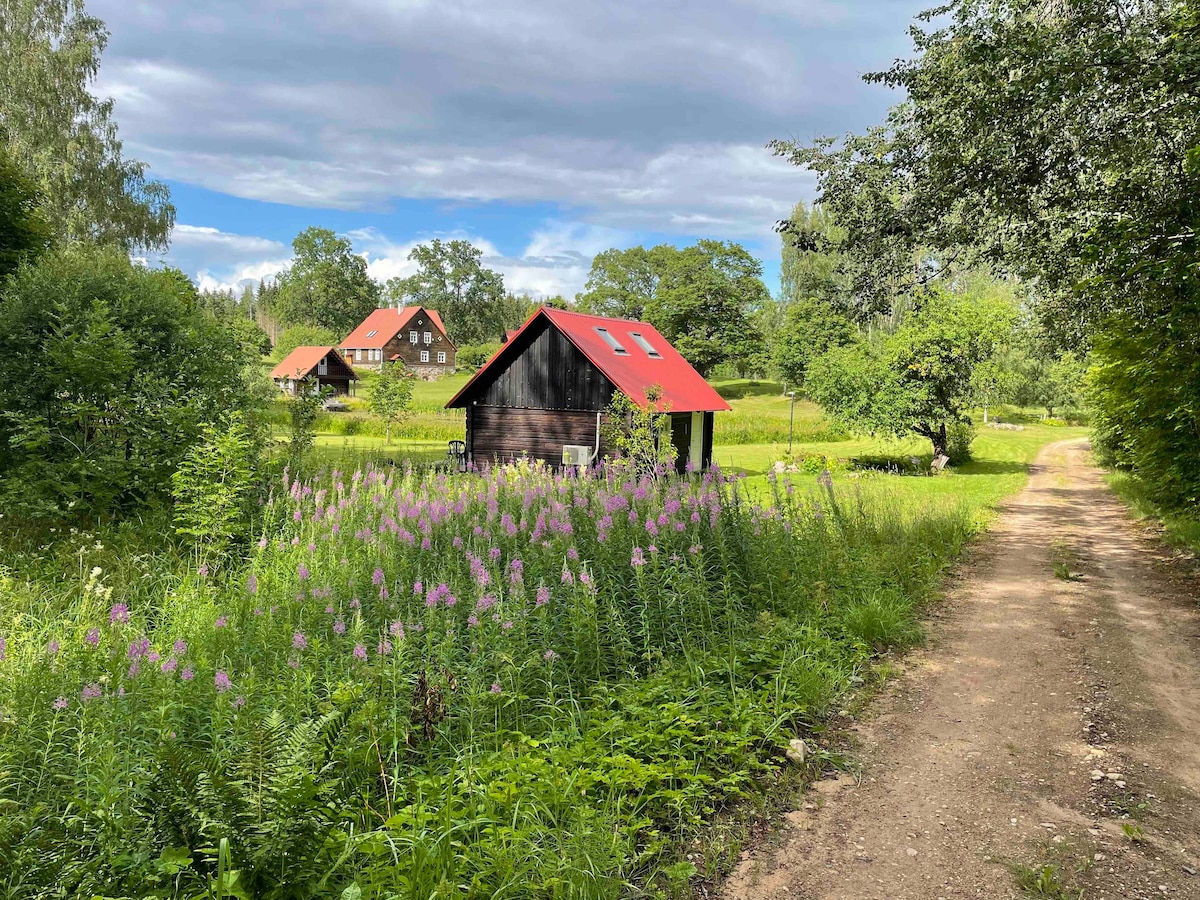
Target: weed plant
{"x": 514, "y": 684}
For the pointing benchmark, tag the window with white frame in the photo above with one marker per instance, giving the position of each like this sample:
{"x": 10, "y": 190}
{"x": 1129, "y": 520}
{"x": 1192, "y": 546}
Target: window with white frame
{"x": 358, "y": 355}
{"x": 428, "y": 338}
{"x": 442, "y": 356}
{"x": 412, "y": 337}
{"x": 424, "y": 356}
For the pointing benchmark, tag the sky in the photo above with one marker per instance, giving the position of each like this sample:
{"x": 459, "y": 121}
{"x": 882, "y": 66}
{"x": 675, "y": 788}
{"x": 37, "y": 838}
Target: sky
{"x": 543, "y": 132}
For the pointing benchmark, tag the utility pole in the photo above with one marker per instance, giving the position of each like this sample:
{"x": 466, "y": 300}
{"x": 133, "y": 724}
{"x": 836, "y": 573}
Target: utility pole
{"x": 791, "y": 420}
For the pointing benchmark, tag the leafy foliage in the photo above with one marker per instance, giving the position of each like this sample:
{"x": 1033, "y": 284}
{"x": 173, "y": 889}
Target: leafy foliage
{"x": 120, "y": 371}
{"x": 389, "y": 395}
{"x": 23, "y": 232}
{"x": 214, "y": 486}
{"x": 303, "y": 336}
{"x": 811, "y": 327}
{"x": 919, "y": 379}
{"x": 469, "y": 296}
{"x": 640, "y": 437}
{"x": 64, "y": 138}
{"x": 327, "y": 285}
{"x": 1059, "y": 142}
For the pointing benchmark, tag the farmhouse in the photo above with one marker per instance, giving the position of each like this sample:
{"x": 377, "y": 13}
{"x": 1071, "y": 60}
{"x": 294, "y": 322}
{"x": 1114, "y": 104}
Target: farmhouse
{"x": 412, "y": 335}
{"x": 545, "y": 392}
{"x": 319, "y": 366}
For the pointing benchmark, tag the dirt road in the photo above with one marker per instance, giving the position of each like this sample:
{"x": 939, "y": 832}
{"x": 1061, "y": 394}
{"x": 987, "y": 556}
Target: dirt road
{"x": 1050, "y": 721}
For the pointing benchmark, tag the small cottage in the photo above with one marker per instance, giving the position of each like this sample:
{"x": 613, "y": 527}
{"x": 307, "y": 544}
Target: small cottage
{"x": 318, "y": 367}
{"x": 412, "y": 335}
{"x": 545, "y": 392}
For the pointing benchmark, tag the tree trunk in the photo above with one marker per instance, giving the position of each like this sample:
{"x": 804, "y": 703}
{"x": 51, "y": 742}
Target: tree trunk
{"x": 940, "y": 443}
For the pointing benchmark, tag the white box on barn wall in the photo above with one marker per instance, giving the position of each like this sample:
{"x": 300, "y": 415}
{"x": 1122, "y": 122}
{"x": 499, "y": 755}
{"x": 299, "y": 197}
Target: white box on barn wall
{"x": 576, "y": 455}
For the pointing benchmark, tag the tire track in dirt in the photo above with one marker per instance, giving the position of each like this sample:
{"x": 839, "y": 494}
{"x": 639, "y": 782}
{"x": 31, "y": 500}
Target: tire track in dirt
{"x": 1045, "y": 714}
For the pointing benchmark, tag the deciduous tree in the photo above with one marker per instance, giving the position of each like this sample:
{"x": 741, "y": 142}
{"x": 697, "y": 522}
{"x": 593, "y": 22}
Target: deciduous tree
{"x": 327, "y": 284}
{"x": 452, "y": 279}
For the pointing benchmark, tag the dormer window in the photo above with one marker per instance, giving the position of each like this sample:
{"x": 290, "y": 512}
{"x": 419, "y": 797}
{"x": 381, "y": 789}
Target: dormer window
{"x": 612, "y": 342}
{"x": 645, "y": 345}
{"x": 372, "y": 334}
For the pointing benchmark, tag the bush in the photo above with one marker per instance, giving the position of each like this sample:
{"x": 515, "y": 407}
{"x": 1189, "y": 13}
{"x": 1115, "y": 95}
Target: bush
{"x": 472, "y": 356}
{"x": 959, "y": 437}
{"x": 303, "y": 336}
{"x": 115, "y": 371}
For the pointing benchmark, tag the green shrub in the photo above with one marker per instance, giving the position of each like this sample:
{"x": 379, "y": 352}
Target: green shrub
{"x": 959, "y": 437}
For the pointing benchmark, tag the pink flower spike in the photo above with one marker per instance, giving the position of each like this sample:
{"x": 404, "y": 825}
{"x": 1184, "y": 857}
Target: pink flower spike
{"x": 222, "y": 681}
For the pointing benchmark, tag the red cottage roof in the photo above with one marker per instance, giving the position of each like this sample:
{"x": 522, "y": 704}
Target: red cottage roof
{"x": 631, "y": 371}
{"x": 386, "y": 324}
{"x": 300, "y": 362}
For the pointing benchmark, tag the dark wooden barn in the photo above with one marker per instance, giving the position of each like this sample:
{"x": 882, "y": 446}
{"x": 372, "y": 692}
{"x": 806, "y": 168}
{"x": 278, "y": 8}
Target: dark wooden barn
{"x": 321, "y": 367}
{"x": 545, "y": 392}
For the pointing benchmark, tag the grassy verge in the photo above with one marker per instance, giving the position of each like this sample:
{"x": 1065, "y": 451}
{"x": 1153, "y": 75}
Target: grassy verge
{"x": 1176, "y": 530}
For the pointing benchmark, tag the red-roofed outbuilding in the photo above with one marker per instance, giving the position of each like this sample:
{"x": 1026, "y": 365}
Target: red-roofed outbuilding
{"x": 413, "y": 335}
{"x": 318, "y": 366}
{"x": 545, "y": 392}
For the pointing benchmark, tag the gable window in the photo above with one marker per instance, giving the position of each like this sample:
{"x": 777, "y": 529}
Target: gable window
{"x": 371, "y": 334}
{"x": 412, "y": 337}
{"x": 442, "y": 356}
{"x": 424, "y": 356}
{"x": 323, "y": 366}
{"x": 645, "y": 345}
{"x": 612, "y": 342}
{"x": 428, "y": 338}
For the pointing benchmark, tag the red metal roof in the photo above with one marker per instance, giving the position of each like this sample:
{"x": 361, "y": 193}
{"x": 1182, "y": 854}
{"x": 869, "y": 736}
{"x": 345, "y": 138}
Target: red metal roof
{"x": 684, "y": 390}
{"x": 301, "y": 361}
{"x": 387, "y": 323}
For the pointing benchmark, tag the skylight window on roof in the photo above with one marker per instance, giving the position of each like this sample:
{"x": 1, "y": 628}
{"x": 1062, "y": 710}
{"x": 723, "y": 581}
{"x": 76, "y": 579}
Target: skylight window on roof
{"x": 612, "y": 342}
{"x": 645, "y": 345}
{"x": 372, "y": 333}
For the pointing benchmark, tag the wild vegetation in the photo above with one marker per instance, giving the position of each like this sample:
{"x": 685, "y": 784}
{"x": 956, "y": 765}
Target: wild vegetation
{"x": 523, "y": 684}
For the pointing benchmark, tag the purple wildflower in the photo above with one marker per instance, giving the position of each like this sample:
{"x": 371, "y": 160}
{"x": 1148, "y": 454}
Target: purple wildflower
{"x": 377, "y": 577}
{"x": 360, "y": 652}
{"x": 93, "y": 637}
{"x": 396, "y": 629}
{"x": 119, "y": 614}
{"x": 302, "y": 572}
{"x": 385, "y": 647}
{"x": 299, "y": 641}
{"x": 418, "y": 588}
{"x": 507, "y": 626}
{"x": 138, "y": 649}
{"x": 638, "y": 558}
{"x": 60, "y": 703}
{"x": 187, "y": 674}
{"x": 549, "y": 656}
{"x": 339, "y": 627}
{"x": 495, "y": 688}
{"x": 203, "y": 570}
{"x": 221, "y": 682}
{"x": 251, "y": 583}
{"x": 472, "y": 620}
{"x": 543, "y": 596}
{"x": 170, "y": 664}
{"x": 238, "y": 702}
{"x": 91, "y": 692}
{"x": 52, "y": 648}
{"x": 221, "y": 622}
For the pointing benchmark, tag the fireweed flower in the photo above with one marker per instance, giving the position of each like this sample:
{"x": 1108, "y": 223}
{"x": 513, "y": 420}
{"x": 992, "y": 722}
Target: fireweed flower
{"x": 299, "y": 641}
{"x": 203, "y": 570}
{"x": 118, "y": 614}
{"x": 638, "y": 558}
{"x": 472, "y": 620}
{"x": 549, "y": 656}
{"x": 495, "y": 688}
{"x": 93, "y": 637}
{"x": 221, "y": 681}
{"x": 360, "y": 652}
{"x": 385, "y": 647}
{"x": 251, "y": 583}
{"x": 60, "y": 703}
{"x": 507, "y": 626}
{"x": 138, "y": 649}
{"x": 543, "y": 596}
{"x": 568, "y": 577}
{"x": 339, "y": 627}
{"x": 170, "y": 664}
{"x": 187, "y": 674}
{"x": 377, "y": 577}
{"x": 91, "y": 692}
{"x": 52, "y": 648}
{"x": 239, "y": 702}
{"x": 396, "y": 629}
{"x": 221, "y": 622}
{"x": 418, "y": 589}
{"x": 302, "y": 572}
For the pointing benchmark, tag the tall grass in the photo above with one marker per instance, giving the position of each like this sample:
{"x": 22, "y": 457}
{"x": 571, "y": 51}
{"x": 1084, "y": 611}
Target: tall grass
{"x": 422, "y": 685}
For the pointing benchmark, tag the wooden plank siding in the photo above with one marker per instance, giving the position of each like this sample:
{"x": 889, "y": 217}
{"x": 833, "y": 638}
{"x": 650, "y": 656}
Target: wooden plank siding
{"x": 548, "y": 373}
{"x": 505, "y": 433}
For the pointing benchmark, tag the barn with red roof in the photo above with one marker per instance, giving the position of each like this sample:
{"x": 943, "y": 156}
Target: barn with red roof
{"x": 321, "y": 367}
{"x": 412, "y": 335}
{"x": 545, "y": 393}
